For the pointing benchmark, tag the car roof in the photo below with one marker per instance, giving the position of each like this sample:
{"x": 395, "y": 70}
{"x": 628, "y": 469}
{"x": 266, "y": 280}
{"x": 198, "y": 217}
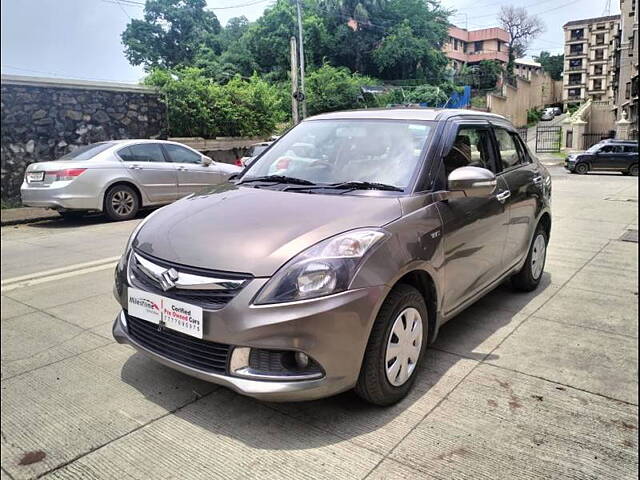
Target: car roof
{"x": 402, "y": 113}
{"x": 617, "y": 140}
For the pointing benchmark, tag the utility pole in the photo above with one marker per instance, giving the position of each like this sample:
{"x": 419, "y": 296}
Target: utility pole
{"x": 302, "y": 98}
{"x": 294, "y": 81}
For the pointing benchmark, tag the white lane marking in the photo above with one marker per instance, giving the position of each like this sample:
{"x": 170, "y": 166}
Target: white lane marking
{"x": 60, "y": 276}
{"x": 56, "y": 271}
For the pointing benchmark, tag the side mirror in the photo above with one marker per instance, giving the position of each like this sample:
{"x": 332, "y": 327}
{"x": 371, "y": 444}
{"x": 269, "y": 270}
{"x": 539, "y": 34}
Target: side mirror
{"x": 206, "y": 161}
{"x": 472, "y": 181}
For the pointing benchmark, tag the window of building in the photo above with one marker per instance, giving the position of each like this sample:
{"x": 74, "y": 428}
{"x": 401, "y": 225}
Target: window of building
{"x": 600, "y": 39}
{"x": 597, "y": 69}
{"x": 575, "y": 78}
{"x": 599, "y": 54}
{"x": 577, "y": 34}
{"x": 499, "y": 46}
{"x": 477, "y": 46}
{"x": 575, "y": 64}
{"x": 574, "y": 92}
{"x": 600, "y": 26}
{"x": 597, "y": 84}
{"x": 627, "y": 91}
{"x": 575, "y": 49}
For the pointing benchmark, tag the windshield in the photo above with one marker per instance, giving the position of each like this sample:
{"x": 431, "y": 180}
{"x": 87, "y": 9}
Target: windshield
{"x": 594, "y": 148}
{"x": 86, "y": 152}
{"x": 336, "y": 151}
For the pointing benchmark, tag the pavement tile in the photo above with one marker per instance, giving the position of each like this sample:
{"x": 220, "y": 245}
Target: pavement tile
{"x": 380, "y": 429}
{"x": 72, "y": 407}
{"x": 36, "y": 339}
{"x": 390, "y": 469}
{"x": 574, "y": 306}
{"x": 502, "y": 425}
{"x": 475, "y": 332}
{"x": 605, "y": 280}
{"x": 80, "y": 287}
{"x": 90, "y": 312}
{"x": 591, "y": 360}
{"x": 12, "y": 308}
{"x": 228, "y": 437}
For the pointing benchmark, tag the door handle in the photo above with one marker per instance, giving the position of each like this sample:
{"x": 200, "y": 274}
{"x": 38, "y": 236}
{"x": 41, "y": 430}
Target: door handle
{"x": 502, "y": 196}
{"x": 182, "y": 169}
{"x": 537, "y": 180}
{"x": 135, "y": 167}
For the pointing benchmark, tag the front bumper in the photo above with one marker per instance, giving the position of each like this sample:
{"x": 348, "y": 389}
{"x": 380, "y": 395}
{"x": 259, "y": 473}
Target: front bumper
{"x": 333, "y": 330}
{"x": 570, "y": 165}
{"x": 59, "y": 196}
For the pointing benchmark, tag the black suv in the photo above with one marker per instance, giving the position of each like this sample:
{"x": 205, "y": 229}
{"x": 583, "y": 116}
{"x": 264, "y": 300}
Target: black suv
{"x": 613, "y": 155}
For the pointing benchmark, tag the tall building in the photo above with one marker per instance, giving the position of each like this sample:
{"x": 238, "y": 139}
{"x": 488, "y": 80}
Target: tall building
{"x": 589, "y": 57}
{"x": 626, "y": 84}
{"x": 468, "y": 47}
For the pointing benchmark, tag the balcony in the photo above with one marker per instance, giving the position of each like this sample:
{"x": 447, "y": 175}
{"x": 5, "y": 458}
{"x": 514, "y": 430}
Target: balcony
{"x": 575, "y": 53}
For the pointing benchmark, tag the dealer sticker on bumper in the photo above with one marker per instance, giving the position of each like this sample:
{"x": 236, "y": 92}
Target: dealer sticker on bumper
{"x": 165, "y": 312}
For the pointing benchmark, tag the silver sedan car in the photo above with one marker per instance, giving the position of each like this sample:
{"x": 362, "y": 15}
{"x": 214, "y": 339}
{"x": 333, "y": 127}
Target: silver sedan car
{"x": 119, "y": 177}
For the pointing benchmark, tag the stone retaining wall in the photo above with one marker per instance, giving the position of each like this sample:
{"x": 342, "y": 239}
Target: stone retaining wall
{"x": 42, "y": 119}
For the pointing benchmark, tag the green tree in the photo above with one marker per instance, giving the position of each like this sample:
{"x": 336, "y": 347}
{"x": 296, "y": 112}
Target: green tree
{"x": 335, "y": 88}
{"x": 552, "y": 64}
{"x": 403, "y": 54}
{"x": 171, "y": 34}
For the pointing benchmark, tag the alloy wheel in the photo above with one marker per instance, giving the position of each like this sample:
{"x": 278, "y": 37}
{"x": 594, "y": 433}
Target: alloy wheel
{"x": 123, "y": 203}
{"x": 403, "y": 346}
{"x": 538, "y": 256}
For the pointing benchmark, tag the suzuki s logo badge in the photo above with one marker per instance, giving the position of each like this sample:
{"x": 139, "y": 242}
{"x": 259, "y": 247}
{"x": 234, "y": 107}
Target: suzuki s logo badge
{"x": 168, "y": 279}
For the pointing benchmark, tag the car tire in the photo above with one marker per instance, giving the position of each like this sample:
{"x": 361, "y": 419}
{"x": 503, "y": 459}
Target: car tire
{"x": 121, "y": 202}
{"x": 633, "y": 170}
{"x": 528, "y": 279}
{"x": 374, "y": 383}
{"x": 581, "y": 168}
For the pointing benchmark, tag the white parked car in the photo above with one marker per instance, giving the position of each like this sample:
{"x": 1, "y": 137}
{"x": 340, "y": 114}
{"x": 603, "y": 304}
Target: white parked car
{"x": 119, "y": 177}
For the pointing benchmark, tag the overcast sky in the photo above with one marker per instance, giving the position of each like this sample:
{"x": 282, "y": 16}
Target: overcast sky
{"x": 81, "y": 38}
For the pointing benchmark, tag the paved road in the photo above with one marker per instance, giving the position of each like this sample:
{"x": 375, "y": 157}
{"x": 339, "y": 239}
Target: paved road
{"x": 540, "y": 385}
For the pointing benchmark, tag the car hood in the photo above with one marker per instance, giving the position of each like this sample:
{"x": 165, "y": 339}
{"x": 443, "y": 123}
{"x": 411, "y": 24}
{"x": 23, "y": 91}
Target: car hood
{"x": 250, "y": 230}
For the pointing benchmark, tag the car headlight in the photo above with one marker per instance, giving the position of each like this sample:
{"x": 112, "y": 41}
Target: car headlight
{"x": 326, "y": 268}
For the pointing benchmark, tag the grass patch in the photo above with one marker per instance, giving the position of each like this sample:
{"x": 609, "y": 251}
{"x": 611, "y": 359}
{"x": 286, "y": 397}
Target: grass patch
{"x": 5, "y": 204}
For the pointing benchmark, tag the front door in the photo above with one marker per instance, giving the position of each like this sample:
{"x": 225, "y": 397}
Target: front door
{"x": 525, "y": 183}
{"x": 474, "y": 229}
{"x": 147, "y": 165}
{"x": 609, "y": 157}
{"x": 193, "y": 175}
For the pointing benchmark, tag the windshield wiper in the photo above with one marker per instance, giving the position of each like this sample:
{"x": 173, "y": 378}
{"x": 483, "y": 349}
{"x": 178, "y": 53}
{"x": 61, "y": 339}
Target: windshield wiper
{"x": 277, "y": 179}
{"x": 358, "y": 185}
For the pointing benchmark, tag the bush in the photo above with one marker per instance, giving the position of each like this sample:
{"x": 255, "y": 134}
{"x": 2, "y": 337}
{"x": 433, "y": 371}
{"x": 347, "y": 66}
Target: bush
{"x": 199, "y": 107}
{"x": 533, "y": 116}
{"x": 329, "y": 89}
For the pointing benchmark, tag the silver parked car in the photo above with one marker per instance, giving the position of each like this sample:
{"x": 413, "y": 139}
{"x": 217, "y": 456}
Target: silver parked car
{"x": 333, "y": 261}
{"x": 119, "y": 177}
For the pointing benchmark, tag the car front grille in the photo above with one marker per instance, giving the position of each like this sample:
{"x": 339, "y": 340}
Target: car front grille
{"x": 205, "y": 297}
{"x": 189, "y": 351}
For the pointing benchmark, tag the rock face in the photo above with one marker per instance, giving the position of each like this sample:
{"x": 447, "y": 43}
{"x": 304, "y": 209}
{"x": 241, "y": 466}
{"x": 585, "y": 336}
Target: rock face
{"x": 44, "y": 122}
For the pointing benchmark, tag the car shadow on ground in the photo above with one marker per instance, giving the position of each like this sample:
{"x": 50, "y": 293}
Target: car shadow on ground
{"x": 469, "y": 337}
{"x": 60, "y": 223}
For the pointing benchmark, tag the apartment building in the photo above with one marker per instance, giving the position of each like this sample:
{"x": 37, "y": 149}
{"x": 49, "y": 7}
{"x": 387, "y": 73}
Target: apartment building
{"x": 626, "y": 65}
{"x": 589, "y": 56}
{"x": 527, "y": 68}
{"x": 467, "y": 47}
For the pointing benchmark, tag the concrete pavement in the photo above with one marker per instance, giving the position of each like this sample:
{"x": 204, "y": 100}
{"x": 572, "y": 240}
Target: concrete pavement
{"x": 540, "y": 385}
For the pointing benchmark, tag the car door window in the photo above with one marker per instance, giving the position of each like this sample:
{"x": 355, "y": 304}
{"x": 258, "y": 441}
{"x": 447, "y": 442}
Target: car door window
{"x": 144, "y": 152}
{"x": 511, "y": 155}
{"x": 630, "y": 149}
{"x": 178, "y": 154}
{"x": 471, "y": 148}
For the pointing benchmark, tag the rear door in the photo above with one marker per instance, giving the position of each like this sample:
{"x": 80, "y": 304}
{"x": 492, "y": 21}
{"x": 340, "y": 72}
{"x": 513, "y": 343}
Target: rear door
{"x": 193, "y": 175}
{"x": 147, "y": 164}
{"x": 630, "y": 156}
{"x": 524, "y": 180}
{"x": 474, "y": 229}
